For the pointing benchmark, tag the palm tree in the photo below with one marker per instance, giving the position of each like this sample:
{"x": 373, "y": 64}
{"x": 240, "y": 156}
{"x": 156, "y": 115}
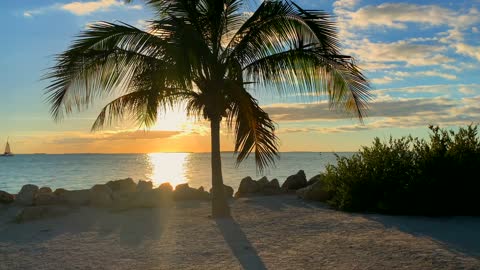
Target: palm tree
{"x": 211, "y": 56}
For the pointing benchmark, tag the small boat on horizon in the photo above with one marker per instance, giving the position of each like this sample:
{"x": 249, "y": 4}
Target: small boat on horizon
{"x": 8, "y": 152}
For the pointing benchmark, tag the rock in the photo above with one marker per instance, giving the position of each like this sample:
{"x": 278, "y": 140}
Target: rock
{"x": 262, "y": 182}
{"x": 316, "y": 192}
{"x": 201, "y": 188}
{"x": 6, "y": 197}
{"x": 272, "y": 188}
{"x": 144, "y": 185}
{"x": 45, "y": 190}
{"x": 100, "y": 196}
{"x": 295, "y": 181}
{"x": 26, "y": 195}
{"x": 122, "y": 185}
{"x": 165, "y": 187}
{"x": 59, "y": 191}
{"x": 45, "y": 196}
{"x": 314, "y": 179}
{"x": 75, "y": 197}
{"x": 38, "y": 212}
{"x": 184, "y": 192}
{"x": 247, "y": 187}
{"x": 228, "y": 191}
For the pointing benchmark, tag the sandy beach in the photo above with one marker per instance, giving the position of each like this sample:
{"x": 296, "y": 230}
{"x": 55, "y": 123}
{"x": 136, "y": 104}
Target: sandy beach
{"x": 271, "y": 232}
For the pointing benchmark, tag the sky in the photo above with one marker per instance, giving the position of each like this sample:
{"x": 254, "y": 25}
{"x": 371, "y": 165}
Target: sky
{"x": 422, "y": 58}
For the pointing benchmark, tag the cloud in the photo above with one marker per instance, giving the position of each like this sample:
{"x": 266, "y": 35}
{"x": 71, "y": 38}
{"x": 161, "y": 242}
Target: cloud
{"x": 396, "y": 15}
{"x": 116, "y": 136}
{"x": 386, "y": 111}
{"x": 383, "y": 80}
{"x": 82, "y": 8}
{"x": 399, "y": 15}
{"x": 399, "y": 52}
{"x": 466, "y": 90}
{"x": 471, "y": 51}
{"x": 406, "y": 113}
{"x": 393, "y": 108}
{"x": 348, "y": 4}
{"x": 359, "y": 25}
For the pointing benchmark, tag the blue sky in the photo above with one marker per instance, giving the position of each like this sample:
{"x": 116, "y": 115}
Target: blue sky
{"x": 422, "y": 57}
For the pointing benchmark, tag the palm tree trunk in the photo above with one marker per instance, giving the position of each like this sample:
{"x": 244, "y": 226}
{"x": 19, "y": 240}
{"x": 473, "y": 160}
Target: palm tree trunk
{"x": 220, "y": 206}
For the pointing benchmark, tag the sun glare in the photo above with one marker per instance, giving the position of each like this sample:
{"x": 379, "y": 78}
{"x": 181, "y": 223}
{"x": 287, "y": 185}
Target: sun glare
{"x": 172, "y": 120}
{"x": 168, "y": 167}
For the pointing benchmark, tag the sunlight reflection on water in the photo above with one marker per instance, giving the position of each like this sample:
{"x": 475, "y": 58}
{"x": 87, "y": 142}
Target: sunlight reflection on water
{"x": 169, "y": 167}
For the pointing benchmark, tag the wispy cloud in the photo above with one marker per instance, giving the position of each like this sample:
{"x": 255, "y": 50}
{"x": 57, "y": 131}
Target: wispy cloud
{"x": 388, "y": 110}
{"x": 441, "y": 30}
{"x": 116, "y": 136}
{"x": 402, "y": 51}
{"x": 81, "y": 8}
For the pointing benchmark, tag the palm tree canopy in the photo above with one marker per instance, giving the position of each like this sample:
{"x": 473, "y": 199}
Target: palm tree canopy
{"x": 209, "y": 55}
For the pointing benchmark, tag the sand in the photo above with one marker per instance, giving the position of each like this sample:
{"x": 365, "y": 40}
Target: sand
{"x": 277, "y": 232}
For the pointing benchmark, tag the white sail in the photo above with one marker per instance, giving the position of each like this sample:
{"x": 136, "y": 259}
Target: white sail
{"x": 7, "y": 149}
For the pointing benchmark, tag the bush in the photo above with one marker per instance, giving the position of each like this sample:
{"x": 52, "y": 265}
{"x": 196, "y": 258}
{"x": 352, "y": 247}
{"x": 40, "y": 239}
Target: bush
{"x": 411, "y": 176}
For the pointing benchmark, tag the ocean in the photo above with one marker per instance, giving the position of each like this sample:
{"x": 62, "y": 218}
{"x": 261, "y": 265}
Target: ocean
{"x": 81, "y": 171}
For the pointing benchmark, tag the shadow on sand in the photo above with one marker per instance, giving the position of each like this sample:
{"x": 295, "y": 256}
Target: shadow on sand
{"x": 460, "y": 234}
{"x": 151, "y": 222}
{"x": 239, "y": 244}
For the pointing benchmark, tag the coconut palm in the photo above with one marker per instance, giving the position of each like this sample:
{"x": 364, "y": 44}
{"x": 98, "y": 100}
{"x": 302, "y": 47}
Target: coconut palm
{"x": 212, "y": 56}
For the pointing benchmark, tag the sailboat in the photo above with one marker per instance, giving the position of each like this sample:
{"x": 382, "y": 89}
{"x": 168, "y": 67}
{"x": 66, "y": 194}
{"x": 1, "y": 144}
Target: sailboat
{"x": 8, "y": 152}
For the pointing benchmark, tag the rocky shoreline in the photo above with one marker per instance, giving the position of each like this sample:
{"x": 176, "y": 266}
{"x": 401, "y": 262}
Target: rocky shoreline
{"x": 35, "y": 203}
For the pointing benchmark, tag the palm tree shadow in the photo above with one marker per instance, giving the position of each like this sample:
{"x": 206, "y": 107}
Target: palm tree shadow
{"x": 239, "y": 244}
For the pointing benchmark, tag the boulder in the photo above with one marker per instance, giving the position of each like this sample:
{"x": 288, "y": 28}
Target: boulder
{"x": 100, "y": 196}
{"x": 26, "y": 195}
{"x": 75, "y": 197}
{"x": 315, "y": 192}
{"x": 247, "y": 187}
{"x": 165, "y": 187}
{"x": 228, "y": 191}
{"x": 45, "y": 196}
{"x": 122, "y": 185}
{"x": 184, "y": 192}
{"x": 45, "y": 190}
{"x": 262, "y": 182}
{"x": 272, "y": 188}
{"x": 295, "y": 181}
{"x": 144, "y": 186}
{"x": 6, "y": 197}
{"x": 314, "y": 179}
{"x": 59, "y": 191}
{"x": 38, "y": 212}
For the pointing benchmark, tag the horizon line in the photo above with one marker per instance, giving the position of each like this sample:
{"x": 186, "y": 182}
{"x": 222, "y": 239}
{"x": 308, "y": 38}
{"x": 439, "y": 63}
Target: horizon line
{"x": 180, "y": 152}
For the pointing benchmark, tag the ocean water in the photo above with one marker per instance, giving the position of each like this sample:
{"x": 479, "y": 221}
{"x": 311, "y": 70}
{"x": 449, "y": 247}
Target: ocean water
{"x": 79, "y": 171}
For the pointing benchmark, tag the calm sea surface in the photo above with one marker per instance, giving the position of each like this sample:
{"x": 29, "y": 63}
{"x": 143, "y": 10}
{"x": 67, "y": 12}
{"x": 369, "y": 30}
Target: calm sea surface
{"x": 80, "y": 171}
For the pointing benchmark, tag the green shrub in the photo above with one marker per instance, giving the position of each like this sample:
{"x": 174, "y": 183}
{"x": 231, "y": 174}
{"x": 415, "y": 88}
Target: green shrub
{"x": 411, "y": 176}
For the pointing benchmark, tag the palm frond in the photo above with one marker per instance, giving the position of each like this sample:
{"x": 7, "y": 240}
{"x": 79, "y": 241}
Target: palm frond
{"x": 102, "y": 59}
{"x": 306, "y": 71}
{"x": 253, "y": 128}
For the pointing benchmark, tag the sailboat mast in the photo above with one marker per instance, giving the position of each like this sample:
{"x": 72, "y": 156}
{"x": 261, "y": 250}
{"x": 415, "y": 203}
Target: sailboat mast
{"x": 7, "y": 147}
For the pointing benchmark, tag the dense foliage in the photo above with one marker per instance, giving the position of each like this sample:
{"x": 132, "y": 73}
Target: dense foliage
{"x": 411, "y": 176}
